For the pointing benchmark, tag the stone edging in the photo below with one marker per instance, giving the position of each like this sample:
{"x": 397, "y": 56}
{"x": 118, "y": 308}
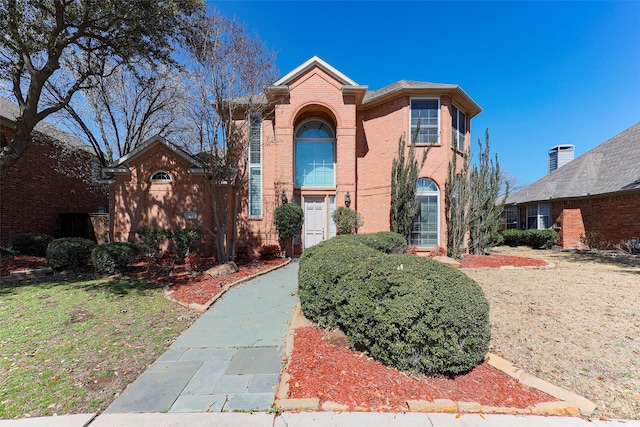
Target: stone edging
{"x": 204, "y": 307}
{"x": 569, "y": 404}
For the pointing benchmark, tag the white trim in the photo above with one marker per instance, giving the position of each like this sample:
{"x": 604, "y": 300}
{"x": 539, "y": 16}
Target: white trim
{"x": 311, "y": 62}
{"x": 160, "y": 171}
{"x": 148, "y": 144}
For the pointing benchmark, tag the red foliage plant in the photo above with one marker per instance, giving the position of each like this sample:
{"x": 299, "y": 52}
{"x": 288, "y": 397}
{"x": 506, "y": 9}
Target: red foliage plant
{"x": 268, "y": 252}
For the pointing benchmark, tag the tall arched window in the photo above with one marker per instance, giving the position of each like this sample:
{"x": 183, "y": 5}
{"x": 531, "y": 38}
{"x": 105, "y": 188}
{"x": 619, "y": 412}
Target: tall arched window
{"x": 426, "y": 225}
{"x": 315, "y": 155}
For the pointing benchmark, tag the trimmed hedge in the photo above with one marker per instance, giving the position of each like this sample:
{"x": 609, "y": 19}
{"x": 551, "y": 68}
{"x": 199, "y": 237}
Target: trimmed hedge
{"x": 384, "y": 241}
{"x": 114, "y": 257}
{"x": 409, "y": 312}
{"x": 69, "y": 253}
{"x": 536, "y": 239}
{"x": 32, "y": 244}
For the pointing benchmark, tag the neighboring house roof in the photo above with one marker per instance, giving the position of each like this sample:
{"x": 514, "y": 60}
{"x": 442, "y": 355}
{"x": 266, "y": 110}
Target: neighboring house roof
{"x": 10, "y": 111}
{"x": 120, "y": 164}
{"x": 611, "y": 167}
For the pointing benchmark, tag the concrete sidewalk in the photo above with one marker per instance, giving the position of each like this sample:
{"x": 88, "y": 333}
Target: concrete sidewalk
{"x": 305, "y": 419}
{"x": 228, "y": 360}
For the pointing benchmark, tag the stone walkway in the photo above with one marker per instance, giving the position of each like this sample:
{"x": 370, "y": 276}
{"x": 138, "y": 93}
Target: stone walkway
{"x": 228, "y": 360}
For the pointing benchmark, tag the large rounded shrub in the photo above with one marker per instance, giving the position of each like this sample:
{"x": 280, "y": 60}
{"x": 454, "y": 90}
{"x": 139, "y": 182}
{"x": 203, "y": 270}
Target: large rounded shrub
{"x": 408, "y": 312}
{"x": 113, "y": 257}
{"x": 32, "y": 244}
{"x": 69, "y": 253}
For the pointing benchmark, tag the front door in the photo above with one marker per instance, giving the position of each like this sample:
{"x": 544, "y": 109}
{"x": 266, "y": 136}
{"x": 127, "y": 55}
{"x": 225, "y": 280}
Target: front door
{"x": 315, "y": 220}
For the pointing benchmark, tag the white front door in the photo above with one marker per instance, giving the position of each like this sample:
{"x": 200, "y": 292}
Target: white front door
{"x": 315, "y": 220}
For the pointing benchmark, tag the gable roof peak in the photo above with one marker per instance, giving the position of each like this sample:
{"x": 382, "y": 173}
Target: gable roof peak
{"x": 315, "y": 61}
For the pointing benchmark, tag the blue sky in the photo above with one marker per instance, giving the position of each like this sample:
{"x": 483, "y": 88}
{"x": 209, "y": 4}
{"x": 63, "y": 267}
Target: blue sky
{"x": 545, "y": 73}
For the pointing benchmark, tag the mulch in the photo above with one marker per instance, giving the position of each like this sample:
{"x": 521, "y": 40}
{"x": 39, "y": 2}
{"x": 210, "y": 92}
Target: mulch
{"x": 497, "y": 261}
{"x": 347, "y": 377}
{"x": 9, "y": 263}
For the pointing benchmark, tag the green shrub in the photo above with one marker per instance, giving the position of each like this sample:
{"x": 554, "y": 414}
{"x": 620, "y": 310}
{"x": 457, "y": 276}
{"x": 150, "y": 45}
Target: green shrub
{"x": 536, "y": 239}
{"x": 185, "y": 241}
{"x": 384, "y": 241}
{"x": 6, "y": 251}
{"x": 113, "y": 257}
{"x": 347, "y": 220}
{"x": 288, "y": 219}
{"x": 409, "y": 312}
{"x": 32, "y": 244}
{"x": 69, "y": 253}
{"x": 152, "y": 238}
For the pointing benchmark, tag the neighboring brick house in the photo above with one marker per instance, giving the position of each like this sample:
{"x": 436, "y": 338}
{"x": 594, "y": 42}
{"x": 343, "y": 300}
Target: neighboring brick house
{"x": 325, "y": 141}
{"x": 596, "y": 194}
{"x": 51, "y": 188}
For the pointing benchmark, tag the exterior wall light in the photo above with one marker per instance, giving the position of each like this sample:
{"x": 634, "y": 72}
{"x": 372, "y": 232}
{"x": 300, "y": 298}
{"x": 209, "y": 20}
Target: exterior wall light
{"x": 347, "y": 199}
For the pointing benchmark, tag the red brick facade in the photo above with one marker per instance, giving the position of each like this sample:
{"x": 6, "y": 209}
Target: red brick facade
{"x": 45, "y": 184}
{"x": 365, "y": 144}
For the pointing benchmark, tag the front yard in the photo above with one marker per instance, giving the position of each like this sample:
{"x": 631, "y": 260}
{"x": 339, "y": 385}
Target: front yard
{"x": 576, "y": 325}
{"x": 70, "y": 347}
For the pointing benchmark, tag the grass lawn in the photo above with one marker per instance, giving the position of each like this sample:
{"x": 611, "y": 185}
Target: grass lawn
{"x": 72, "y": 347}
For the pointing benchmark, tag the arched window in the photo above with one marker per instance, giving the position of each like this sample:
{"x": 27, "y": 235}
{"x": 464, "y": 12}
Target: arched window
{"x": 426, "y": 225}
{"x": 161, "y": 176}
{"x": 315, "y": 155}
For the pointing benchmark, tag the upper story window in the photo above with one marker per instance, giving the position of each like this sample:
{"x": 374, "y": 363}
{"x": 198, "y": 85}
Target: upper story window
{"x": 161, "y": 176}
{"x": 255, "y": 165}
{"x": 425, "y": 112}
{"x": 315, "y": 155}
{"x": 458, "y": 128}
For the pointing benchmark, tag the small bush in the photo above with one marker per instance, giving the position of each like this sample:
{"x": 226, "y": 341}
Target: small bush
{"x": 243, "y": 255}
{"x": 536, "y": 239}
{"x": 113, "y": 257}
{"x": 6, "y": 251}
{"x": 69, "y": 253}
{"x": 593, "y": 240}
{"x": 152, "y": 238}
{"x": 185, "y": 241}
{"x": 32, "y": 244}
{"x": 347, "y": 220}
{"x": 268, "y": 252}
{"x": 288, "y": 219}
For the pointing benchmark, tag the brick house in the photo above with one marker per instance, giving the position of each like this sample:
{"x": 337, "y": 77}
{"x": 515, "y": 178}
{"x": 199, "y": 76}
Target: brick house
{"x": 323, "y": 141}
{"x": 51, "y": 188}
{"x": 596, "y": 194}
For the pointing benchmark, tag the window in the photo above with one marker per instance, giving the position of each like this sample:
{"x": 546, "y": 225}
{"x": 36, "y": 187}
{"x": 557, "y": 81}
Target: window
{"x": 161, "y": 176}
{"x": 538, "y": 216}
{"x": 511, "y": 217}
{"x": 255, "y": 165}
{"x": 458, "y": 128}
{"x": 425, "y": 229}
{"x": 426, "y": 113}
{"x": 314, "y": 155}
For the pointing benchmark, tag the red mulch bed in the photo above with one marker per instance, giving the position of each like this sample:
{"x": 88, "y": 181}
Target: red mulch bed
{"x": 497, "y": 261}
{"x": 9, "y": 264}
{"x": 320, "y": 369}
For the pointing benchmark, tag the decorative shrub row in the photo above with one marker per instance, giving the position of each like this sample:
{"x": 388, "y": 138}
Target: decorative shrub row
{"x": 32, "y": 244}
{"x": 408, "y": 312}
{"x": 114, "y": 257}
{"x": 69, "y": 253}
{"x": 183, "y": 241}
{"x": 536, "y": 239}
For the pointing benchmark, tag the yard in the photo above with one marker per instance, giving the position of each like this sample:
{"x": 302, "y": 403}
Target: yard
{"x": 71, "y": 346}
{"x": 576, "y": 325}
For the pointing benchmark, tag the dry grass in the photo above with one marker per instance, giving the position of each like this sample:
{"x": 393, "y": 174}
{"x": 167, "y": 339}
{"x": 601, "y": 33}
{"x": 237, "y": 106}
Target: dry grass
{"x": 576, "y": 325}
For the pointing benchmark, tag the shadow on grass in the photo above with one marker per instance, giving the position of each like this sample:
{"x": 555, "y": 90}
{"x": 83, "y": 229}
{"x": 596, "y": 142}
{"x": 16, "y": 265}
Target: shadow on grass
{"x": 119, "y": 286}
{"x": 607, "y": 257}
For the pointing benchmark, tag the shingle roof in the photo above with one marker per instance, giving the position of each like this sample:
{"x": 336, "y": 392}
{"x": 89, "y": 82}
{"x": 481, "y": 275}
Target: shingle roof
{"x": 10, "y": 110}
{"x": 611, "y": 167}
{"x": 404, "y": 84}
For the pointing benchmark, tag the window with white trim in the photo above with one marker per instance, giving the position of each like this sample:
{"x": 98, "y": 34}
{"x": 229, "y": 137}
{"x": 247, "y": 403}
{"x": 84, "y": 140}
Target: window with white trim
{"x": 425, "y": 112}
{"x": 511, "y": 217}
{"x": 255, "y": 165}
{"x": 426, "y": 224}
{"x": 458, "y": 128}
{"x": 160, "y": 176}
{"x": 315, "y": 155}
{"x": 538, "y": 216}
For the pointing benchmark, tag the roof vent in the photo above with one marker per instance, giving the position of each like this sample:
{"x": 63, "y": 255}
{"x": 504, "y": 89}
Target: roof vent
{"x": 560, "y": 155}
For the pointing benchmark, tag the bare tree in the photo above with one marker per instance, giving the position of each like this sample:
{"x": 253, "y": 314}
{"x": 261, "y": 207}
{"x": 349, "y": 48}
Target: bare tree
{"x": 124, "y": 109}
{"x": 229, "y": 71}
{"x": 457, "y": 193}
{"x": 65, "y": 44}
